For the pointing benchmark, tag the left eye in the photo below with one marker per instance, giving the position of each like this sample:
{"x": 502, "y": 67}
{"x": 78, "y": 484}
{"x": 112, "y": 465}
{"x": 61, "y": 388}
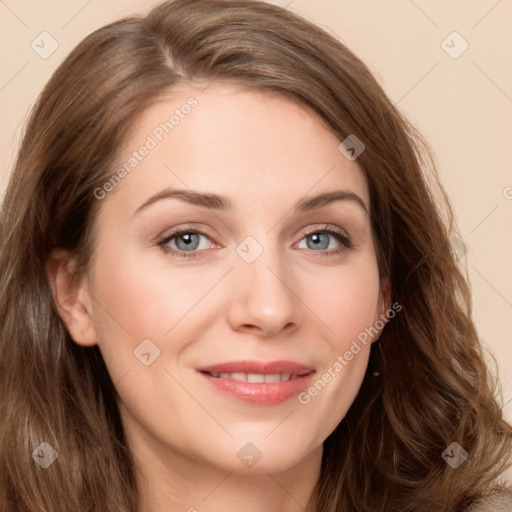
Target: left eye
{"x": 187, "y": 241}
{"x": 321, "y": 240}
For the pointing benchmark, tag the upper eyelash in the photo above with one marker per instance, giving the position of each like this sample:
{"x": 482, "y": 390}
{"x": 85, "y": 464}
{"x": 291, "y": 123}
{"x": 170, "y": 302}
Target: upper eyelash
{"x": 339, "y": 234}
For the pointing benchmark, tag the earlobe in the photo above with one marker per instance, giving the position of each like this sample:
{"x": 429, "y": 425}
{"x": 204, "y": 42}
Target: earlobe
{"x": 71, "y": 297}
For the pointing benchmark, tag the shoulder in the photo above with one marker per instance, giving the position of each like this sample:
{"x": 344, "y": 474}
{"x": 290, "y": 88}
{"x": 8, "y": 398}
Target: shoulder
{"x": 500, "y": 501}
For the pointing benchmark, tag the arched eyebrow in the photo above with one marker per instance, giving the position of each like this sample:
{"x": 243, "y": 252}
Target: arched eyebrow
{"x": 222, "y": 203}
{"x": 213, "y": 201}
{"x": 310, "y": 203}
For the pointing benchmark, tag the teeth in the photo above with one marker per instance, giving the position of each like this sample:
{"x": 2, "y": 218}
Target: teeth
{"x": 256, "y": 378}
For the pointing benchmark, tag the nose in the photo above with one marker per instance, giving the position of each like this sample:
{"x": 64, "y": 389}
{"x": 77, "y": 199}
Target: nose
{"x": 264, "y": 301}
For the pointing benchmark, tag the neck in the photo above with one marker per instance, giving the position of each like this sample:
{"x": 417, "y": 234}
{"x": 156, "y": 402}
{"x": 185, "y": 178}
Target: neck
{"x": 181, "y": 484}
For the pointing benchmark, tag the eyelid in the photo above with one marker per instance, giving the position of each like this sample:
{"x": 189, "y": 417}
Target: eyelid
{"x": 183, "y": 228}
{"x": 326, "y": 228}
{"x": 178, "y": 233}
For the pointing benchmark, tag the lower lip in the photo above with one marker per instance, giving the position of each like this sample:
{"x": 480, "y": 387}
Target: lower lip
{"x": 264, "y": 393}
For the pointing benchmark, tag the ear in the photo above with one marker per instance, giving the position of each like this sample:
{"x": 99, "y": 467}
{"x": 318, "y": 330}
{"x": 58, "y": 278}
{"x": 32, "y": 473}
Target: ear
{"x": 71, "y": 297}
{"x": 383, "y": 306}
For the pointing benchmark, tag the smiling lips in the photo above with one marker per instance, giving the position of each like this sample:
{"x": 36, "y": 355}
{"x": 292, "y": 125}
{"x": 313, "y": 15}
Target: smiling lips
{"x": 258, "y": 382}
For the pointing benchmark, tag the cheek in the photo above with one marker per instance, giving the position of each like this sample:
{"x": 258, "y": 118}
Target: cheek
{"x": 347, "y": 300}
{"x": 348, "y": 306}
{"x": 146, "y": 299}
{"x": 135, "y": 300}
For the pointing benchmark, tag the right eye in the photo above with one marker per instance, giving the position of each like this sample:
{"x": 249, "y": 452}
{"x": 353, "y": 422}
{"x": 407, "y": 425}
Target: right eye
{"x": 186, "y": 241}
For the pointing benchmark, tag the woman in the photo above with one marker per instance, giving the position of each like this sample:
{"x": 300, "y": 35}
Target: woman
{"x": 225, "y": 284}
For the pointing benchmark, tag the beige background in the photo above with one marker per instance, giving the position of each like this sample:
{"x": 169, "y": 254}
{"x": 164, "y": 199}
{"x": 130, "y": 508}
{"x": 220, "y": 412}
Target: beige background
{"x": 462, "y": 105}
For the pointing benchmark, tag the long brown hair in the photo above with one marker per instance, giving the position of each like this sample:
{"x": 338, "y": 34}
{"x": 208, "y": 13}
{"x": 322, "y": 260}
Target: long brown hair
{"x": 434, "y": 387}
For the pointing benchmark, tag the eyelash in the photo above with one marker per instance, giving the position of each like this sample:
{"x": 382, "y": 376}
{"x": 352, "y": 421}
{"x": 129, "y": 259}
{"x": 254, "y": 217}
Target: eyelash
{"x": 337, "y": 233}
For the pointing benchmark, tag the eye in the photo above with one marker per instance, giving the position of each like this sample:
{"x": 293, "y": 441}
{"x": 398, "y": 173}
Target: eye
{"x": 185, "y": 241}
{"x": 332, "y": 240}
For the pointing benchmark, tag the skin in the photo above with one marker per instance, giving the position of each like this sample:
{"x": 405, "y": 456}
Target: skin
{"x": 295, "y": 302}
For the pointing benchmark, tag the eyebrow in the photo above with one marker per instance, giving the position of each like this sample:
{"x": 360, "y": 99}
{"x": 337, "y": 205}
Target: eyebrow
{"x": 213, "y": 201}
{"x": 310, "y": 203}
{"x": 221, "y": 203}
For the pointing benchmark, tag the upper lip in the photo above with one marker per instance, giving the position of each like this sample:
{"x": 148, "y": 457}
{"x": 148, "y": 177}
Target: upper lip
{"x": 260, "y": 367}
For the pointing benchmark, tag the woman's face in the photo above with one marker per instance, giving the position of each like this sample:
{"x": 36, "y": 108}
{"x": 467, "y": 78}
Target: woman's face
{"x": 215, "y": 337}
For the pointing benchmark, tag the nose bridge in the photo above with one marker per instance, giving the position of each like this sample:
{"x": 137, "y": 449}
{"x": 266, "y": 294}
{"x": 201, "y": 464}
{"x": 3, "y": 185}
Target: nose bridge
{"x": 265, "y": 284}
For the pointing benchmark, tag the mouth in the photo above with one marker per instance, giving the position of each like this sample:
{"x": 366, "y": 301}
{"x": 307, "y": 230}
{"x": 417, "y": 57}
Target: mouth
{"x": 259, "y": 383}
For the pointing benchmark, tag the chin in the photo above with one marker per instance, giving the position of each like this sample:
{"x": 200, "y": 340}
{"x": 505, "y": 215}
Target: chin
{"x": 261, "y": 455}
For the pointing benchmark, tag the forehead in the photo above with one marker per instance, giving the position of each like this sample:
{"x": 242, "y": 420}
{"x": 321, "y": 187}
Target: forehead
{"x": 234, "y": 142}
